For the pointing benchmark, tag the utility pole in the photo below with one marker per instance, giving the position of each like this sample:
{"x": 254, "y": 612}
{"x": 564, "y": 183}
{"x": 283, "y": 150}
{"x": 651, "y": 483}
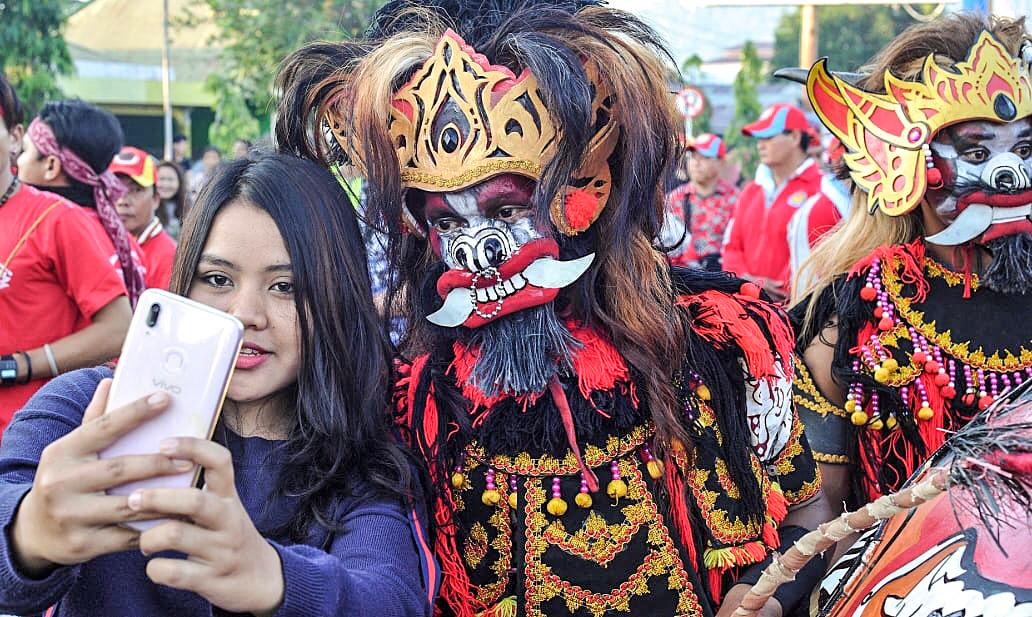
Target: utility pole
{"x": 808, "y": 35}
{"x": 166, "y": 84}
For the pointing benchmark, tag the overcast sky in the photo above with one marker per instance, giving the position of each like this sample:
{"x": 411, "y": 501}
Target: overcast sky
{"x": 689, "y": 27}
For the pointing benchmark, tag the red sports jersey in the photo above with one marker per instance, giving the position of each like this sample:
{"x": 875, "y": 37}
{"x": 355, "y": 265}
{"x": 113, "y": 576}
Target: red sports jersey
{"x": 159, "y": 251}
{"x": 757, "y": 238}
{"x": 58, "y": 278}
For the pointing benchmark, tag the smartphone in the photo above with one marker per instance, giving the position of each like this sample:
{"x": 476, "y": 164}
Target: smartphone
{"x": 186, "y": 349}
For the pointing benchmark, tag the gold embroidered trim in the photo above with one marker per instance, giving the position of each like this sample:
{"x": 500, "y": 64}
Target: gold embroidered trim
{"x": 662, "y": 559}
{"x": 475, "y": 547}
{"x": 806, "y": 491}
{"x": 470, "y": 176}
{"x": 523, "y": 465}
{"x": 977, "y": 358}
{"x": 782, "y": 464}
{"x": 814, "y": 400}
{"x": 835, "y": 459}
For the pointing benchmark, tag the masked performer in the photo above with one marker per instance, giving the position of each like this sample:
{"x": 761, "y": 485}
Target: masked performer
{"x": 601, "y": 435}
{"x": 918, "y": 316}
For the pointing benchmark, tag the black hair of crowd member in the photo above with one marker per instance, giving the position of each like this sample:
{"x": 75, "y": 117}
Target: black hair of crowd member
{"x": 90, "y": 132}
{"x": 210, "y": 148}
{"x": 341, "y": 433}
{"x": 13, "y": 110}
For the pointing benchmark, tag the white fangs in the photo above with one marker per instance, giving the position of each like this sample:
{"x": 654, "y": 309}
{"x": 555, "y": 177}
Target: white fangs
{"x": 545, "y": 272}
{"x": 976, "y": 220}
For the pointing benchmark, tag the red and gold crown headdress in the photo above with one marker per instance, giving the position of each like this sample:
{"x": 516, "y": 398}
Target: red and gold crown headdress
{"x": 887, "y": 135}
{"x": 460, "y": 120}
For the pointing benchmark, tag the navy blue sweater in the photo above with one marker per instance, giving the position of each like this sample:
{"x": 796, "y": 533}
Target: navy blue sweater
{"x": 371, "y": 568}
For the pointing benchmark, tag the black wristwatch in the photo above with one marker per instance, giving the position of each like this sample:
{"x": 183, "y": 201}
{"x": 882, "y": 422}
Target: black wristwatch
{"x": 8, "y": 370}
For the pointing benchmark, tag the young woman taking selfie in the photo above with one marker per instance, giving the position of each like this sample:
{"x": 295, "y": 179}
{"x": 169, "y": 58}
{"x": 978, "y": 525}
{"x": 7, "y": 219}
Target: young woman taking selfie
{"x": 307, "y": 504}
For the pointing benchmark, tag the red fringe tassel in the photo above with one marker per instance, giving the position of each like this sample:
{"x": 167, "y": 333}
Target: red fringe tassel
{"x": 679, "y": 509}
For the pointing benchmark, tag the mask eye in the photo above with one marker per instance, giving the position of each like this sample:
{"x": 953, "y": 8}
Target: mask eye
{"x": 1023, "y": 150}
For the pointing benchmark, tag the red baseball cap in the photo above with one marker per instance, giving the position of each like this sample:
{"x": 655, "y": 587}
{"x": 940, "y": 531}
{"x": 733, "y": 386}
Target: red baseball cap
{"x": 708, "y": 145}
{"x": 136, "y": 164}
{"x": 777, "y": 119}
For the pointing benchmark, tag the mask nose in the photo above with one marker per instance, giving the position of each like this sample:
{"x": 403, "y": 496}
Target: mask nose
{"x": 1006, "y": 173}
{"x": 493, "y": 251}
{"x": 488, "y": 248}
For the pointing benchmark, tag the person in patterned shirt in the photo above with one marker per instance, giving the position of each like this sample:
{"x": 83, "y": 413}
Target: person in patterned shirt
{"x": 704, "y": 203}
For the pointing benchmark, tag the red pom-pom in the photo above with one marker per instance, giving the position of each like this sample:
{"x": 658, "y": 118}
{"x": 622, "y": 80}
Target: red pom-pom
{"x": 948, "y": 392}
{"x": 934, "y": 178}
{"x": 750, "y": 290}
{"x": 942, "y": 379}
{"x": 885, "y": 324}
{"x": 968, "y": 399}
{"x": 985, "y": 401}
{"x": 920, "y": 357}
{"x": 932, "y": 367}
{"x": 868, "y": 293}
{"x": 878, "y": 312}
{"x": 580, "y": 208}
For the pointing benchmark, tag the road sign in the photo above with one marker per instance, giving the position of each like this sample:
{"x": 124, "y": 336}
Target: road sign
{"x": 690, "y": 102}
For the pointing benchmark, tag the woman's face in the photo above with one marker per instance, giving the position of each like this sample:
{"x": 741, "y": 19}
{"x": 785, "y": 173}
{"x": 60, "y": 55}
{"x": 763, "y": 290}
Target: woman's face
{"x": 244, "y": 270}
{"x": 168, "y": 182}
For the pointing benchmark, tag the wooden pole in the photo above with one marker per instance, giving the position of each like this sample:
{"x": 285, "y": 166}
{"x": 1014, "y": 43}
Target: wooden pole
{"x": 807, "y": 35}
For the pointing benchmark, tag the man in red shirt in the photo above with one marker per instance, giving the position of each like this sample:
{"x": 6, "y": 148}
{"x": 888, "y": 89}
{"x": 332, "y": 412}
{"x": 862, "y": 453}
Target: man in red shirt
{"x": 138, "y": 211}
{"x": 705, "y": 203}
{"x": 821, "y": 212}
{"x": 756, "y": 246}
{"x": 62, "y": 305}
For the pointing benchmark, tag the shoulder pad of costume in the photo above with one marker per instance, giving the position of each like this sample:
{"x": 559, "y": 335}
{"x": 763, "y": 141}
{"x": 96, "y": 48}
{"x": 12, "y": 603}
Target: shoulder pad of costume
{"x": 693, "y": 280}
{"x": 740, "y": 320}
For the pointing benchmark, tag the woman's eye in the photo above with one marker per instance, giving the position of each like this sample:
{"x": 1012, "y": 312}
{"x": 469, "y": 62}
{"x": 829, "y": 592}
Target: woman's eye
{"x": 283, "y": 287}
{"x": 216, "y": 280}
{"x": 1023, "y": 150}
{"x": 976, "y": 155}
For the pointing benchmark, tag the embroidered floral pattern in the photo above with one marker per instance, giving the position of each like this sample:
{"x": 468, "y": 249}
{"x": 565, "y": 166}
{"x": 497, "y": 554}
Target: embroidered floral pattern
{"x": 662, "y": 559}
{"x": 1000, "y": 360}
{"x": 594, "y": 456}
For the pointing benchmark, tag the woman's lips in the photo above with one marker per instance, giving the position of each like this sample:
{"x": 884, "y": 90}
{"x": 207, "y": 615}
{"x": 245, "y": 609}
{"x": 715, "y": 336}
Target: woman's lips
{"x": 251, "y": 356}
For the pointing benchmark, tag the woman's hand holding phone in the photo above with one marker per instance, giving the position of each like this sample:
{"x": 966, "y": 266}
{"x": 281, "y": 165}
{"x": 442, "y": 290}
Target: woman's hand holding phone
{"x": 228, "y": 561}
{"x": 66, "y": 518}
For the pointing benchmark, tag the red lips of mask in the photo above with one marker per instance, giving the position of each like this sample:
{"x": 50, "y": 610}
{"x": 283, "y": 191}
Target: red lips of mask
{"x": 999, "y": 230}
{"x": 527, "y": 296}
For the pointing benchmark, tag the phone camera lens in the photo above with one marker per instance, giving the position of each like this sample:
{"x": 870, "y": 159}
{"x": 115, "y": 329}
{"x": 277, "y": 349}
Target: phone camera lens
{"x": 152, "y": 315}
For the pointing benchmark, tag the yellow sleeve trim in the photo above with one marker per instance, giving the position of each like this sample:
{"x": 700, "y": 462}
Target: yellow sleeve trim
{"x": 836, "y": 459}
{"x": 807, "y": 395}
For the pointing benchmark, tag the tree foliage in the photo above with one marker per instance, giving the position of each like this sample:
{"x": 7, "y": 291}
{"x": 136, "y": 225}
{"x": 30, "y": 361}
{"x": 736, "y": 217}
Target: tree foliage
{"x": 32, "y": 48}
{"x": 746, "y": 91}
{"x": 256, "y": 35}
{"x": 848, "y": 35}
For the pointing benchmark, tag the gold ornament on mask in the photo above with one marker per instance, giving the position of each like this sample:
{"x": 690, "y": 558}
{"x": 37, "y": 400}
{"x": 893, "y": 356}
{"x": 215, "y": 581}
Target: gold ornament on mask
{"x": 885, "y": 133}
{"x": 461, "y": 120}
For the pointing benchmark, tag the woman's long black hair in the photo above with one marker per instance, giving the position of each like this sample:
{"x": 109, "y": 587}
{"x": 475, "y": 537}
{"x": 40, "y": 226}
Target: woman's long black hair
{"x": 342, "y": 431}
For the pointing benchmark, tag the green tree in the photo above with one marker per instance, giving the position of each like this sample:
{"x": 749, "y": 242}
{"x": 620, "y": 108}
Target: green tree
{"x": 32, "y": 48}
{"x": 848, "y": 35}
{"x": 746, "y": 91}
{"x": 256, "y": 35}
